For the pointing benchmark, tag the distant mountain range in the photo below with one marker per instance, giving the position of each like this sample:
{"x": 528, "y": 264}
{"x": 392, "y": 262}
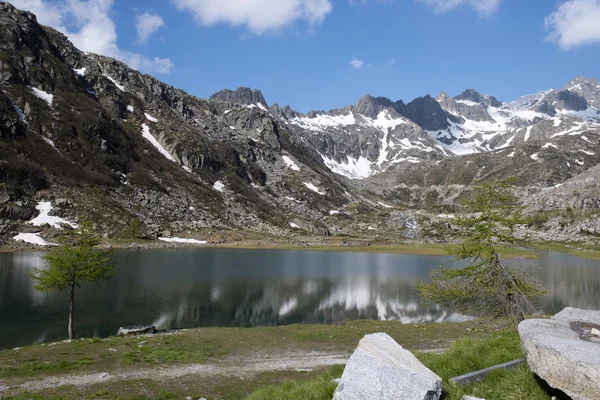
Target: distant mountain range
{"x": 87, "y": 133}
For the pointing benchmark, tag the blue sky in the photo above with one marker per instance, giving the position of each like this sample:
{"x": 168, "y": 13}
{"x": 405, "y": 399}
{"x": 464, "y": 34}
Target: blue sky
{"x": 300, "y": 52}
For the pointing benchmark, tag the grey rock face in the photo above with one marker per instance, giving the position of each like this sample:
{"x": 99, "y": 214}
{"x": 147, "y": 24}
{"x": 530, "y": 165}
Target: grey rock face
{"x": 381, "y": 369}
{"x": 471, "y": 95}
{"x": 242, "y": 95}
{"x": 589, "y": 89}
{"x": 425, "y": 112}
{"x": 492, "y": 101}
{"x": 370, "y": 106}
{"x": 557, "y": 353}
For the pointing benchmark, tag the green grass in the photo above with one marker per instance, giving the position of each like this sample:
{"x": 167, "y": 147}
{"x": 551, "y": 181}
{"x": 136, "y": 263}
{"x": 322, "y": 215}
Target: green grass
{"x": 212, "y": 345}
{"x": 321, "y": 387}
{"x": 464, "y": 356}
{"x": 578, "y": 249}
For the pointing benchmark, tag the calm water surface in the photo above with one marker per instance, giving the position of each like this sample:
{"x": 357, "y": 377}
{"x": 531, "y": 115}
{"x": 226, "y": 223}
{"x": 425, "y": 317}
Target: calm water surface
{"x": 183, "y": 288}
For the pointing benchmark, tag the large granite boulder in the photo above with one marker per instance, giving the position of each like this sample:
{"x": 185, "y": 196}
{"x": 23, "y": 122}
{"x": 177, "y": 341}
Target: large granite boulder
{"x": 382, "y": 369}
{"x": 565, "y": 351}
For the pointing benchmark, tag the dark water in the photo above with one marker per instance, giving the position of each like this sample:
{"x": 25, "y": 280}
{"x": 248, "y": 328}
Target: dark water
{"x": 180, "y": 288}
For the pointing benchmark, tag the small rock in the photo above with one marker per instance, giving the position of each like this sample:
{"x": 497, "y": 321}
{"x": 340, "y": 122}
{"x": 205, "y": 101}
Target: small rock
{"x": 595, "y": 332}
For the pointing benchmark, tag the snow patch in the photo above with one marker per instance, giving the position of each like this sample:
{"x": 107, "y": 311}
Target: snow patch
{"x": 130, "y": 109}
{"x": 384, "y": 205}
{"x": 334, "y": 212}
{"x": 353, "y": 168}
{"x": 50, "y": 142}
{"x": 528, "y": 133}
{"x": 148, "y": 136}
{"x": 313, "y": 188}
{"x": 535, "y": 157}
{"x": 467, "y": 102}
{"x": 511, "y": 155}
{"x": 290, "y": 163}
{"x": 589, "y": 153}
{"x": 323, "y": 121}
{"x": 182, "y": 240}
{"x": 119, "y": 86}
{"x": 547, "y": 145}
{"x": 44, "y": 207}
{"x": 293, "y": 225}
{"x": 219, "y": 186}
{"x": 40, "y": 94}
{"x": 79, "y": 71}
{"x": 150, "y": 117}
{"x": 32, "y": 238}
{"x": 262, "y": 107}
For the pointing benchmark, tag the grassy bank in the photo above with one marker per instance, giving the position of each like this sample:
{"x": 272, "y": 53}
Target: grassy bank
{"x": 466, "y": 355}
{"x": 472, "y": 346}
{"x": 577, "y": 249}
{"x": 236, "y": 351}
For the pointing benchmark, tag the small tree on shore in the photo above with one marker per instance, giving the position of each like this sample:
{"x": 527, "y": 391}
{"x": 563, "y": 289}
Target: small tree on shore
{"x": 487, "y": 285}
{"x": 75, "y": 261}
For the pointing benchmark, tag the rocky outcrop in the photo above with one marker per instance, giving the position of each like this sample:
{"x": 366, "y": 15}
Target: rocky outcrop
{"x": 381, "y": 369}
{"x": 242, "y": 95}
{"x": 471, "y": 95}
{"x": 564, "y": 351}
{"x": 425, "y": 112}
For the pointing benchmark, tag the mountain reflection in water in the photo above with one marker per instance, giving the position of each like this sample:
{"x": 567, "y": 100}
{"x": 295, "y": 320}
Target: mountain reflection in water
{"x": 184, "y": 288}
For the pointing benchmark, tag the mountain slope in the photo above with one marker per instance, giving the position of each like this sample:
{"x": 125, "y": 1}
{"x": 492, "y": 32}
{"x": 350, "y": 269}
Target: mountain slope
{"x": 122, "y": 145}
{"x": 85, "y": 133}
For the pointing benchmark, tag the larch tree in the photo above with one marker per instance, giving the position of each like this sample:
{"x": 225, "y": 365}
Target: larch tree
{"x": 488, "y": 285}
{"x": 74, "y": 262}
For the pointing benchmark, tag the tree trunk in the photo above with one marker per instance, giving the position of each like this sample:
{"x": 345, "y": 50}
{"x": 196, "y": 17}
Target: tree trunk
{"x": 71, "y": 311}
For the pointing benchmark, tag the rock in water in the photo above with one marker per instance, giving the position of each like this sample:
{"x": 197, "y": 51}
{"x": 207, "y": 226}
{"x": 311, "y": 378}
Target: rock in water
{"x": 564, "y": 353}
{"x": 382, "y": 369}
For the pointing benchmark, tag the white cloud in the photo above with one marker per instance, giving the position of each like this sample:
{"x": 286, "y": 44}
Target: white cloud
{"x": 89, "y": 26}
{"x": 390, "y": 63}
{"x": 484, "y": 8}
{"x": 574, "y": 23}
{"x": 356, "y": 63}
{"x": 146, "y": 24}
{"x": 258, "y": 16}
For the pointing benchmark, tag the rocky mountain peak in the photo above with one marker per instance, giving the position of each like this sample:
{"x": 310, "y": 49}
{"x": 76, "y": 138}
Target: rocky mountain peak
{"x": 370, "y": 106}
{"x": 445, "y": 100}
{"x": 492, "y": 101}
{"x": 241, "y": 95}
{"x": 471, "y": 95}
{"x": 284, "y": 112}
{"x": 588, "y": 88}
{"x": 427, "y": 113}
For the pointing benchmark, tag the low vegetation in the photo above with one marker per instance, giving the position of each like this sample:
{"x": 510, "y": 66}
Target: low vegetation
{"x": 209, "y": 346}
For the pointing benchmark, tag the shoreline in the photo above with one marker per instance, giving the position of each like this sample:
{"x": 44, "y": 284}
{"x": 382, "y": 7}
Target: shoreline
{"x": 356, "y": 245}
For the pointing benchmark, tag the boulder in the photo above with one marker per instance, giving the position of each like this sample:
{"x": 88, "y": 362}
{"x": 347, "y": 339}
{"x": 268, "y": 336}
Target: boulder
{"x": 564, "y": 352}
{"x": 382, "y": 369}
